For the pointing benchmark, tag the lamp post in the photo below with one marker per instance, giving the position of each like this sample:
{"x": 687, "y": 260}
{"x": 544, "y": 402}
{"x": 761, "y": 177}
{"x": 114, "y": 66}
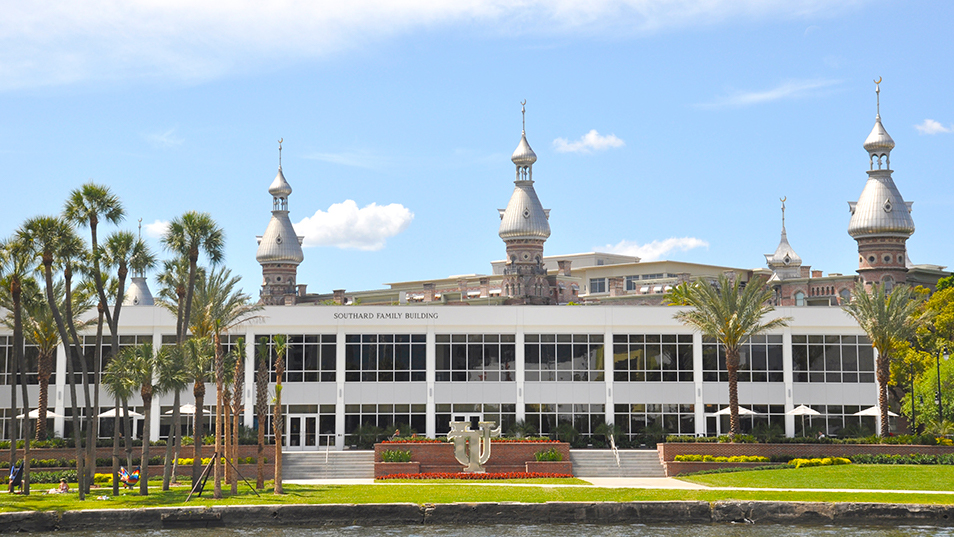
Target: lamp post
{"x": 940, "y": 408}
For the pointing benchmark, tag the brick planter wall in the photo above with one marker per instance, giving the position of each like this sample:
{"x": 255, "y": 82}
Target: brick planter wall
{"x": 668, "y": 452}
{"x": 550, "y": 467}
{"x": 677, "y": 468}
{"x": 504, "y": 456}
{"x": 382, "y": 469}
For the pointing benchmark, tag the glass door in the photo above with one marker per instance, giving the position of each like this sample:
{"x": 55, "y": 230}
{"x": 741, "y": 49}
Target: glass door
{"x": 302, "y": 432}
{"x": 474, "y": 419}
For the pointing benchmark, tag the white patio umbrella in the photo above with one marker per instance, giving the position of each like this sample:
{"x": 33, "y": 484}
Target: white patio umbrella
{"x": 802, "y": 410}
{"x": 742, "y": 412}
{"x": 35, "y": 413}
{"x": 111, "y": 413}
{"x": 187, "y": 408}
{"x": 872, "y": 411}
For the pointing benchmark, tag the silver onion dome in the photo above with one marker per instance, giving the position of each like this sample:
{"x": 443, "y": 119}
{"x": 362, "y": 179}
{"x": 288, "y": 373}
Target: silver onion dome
{"x": 138, "y": 293}
{"x": 880, "y": 210}
{"x": 280, "y": 187}
{"x": 523, "y": 155}
{"x": 879, "y": 141}
{"x": 279, "y": 244}
{"x": 524, "y": 217}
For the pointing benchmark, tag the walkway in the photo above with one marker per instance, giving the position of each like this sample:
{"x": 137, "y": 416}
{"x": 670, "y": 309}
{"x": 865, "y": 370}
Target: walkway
{"x": 626, "y": 482}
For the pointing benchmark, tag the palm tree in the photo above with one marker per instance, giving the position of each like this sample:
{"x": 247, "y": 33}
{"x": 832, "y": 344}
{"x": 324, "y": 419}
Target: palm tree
{"x": 144, "y": 363}
{"x": 261, "y": 405}
{"x": 220, "y": 305}
{"x": 119, "y": 379}
{"x": 16, "y": 259}
{"x": 277, "y": 423}
{"x": 173, "y": 375}
{"x": 887, "y": 317}
{"x": 238, "y": 386}
{"x": 731, "y": 313}
{"x": 198, "y": 354}
{"x": 187, "y": 236}
{"x": 52, "y": 239}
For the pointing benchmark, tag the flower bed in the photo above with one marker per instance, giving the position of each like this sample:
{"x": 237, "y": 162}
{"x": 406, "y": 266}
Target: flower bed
{"x": 438, "y": 457}
{"x": 475, "y": 477}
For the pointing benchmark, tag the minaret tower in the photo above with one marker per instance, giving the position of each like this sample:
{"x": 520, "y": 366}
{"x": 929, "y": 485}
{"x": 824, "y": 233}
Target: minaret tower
{"x": 785, "y": 263}
{"x": 138, "y": 292}
{"x": 279, "y": 249}
{"x": 524, "y": 227}
{"x": 881, "y": 220}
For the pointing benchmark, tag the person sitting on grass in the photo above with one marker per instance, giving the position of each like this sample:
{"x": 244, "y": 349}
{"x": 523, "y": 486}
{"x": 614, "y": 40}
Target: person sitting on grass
{"x": 62, "y": 489}
{"x": 16, "y": 478}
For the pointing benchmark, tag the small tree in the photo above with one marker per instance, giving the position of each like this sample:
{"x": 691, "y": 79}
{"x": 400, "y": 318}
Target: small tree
{"x": 277, "y": 421}
{"x": 731, "y": 313}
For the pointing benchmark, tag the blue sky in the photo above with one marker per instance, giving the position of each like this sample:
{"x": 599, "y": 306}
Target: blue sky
{"x": 667, "y": 129}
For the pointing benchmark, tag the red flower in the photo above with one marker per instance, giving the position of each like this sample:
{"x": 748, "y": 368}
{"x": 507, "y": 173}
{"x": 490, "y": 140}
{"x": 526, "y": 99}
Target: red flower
{"x": 476, "y": 477}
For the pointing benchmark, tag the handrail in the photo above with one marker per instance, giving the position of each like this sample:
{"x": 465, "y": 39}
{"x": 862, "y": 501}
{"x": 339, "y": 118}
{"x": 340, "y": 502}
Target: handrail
{"x": 615, "y": 452}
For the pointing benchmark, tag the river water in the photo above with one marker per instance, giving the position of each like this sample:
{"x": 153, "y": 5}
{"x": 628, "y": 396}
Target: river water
{"x": 549, "y": 530}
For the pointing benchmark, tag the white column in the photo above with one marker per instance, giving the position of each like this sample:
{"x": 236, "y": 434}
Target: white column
{"x": 430, "y": 376}
{"x": 610, "y": 415}
{"x": 59, "y": 386}
{"x": 521, "y": 374}
{"x": 339, "y": 389}
{"x": 788, "y": 377}
{"x": 699, "y": 410}
{"x": 155, "y": 414}
{"x": 248, "y": 420}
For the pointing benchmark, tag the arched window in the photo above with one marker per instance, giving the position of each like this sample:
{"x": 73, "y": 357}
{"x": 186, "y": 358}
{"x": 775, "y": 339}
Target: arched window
{"x": 888, "y": 282}
{"x": 799, "y": 298}
{"x": 845, "y": 296}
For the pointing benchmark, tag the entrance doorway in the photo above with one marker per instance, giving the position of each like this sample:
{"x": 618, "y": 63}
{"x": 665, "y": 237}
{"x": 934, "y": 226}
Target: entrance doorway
{"x": 302, "y": 432}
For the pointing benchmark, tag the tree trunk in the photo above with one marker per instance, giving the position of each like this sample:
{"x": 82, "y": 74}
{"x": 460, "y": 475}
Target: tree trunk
{"x": 278, "y": 423}
{"x": 237, "y": 392}
{"x": 261, "y": 411}
{"x": 199, "y": 392}
{"x": 146, "y": 393}
{"x": 884, "y": 373}
{"x": 44, "y": 371}
{"x": 732, "y": 365}
{"x": 171, "y": 439}
{"x": 97, "y": 380}
{"x": 116, "y": 458}
{"x": 128, "y": 425}
{"x": 18, "y": 358}
{"x": 219, "y": 415}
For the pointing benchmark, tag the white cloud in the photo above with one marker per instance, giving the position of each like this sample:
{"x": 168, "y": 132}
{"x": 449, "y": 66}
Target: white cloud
{"x": 792, "y": 89}
{"x": 589, "y": 142}
{"x": 164, "y": 139}
{"x": 347, "y": 226}
{"x": 655, "y": 250}
{"x": 156, "y": 229}
{"x": 929, "y": 126}
{"x": 356, "y": 159}
{"x": 49, "y": 42}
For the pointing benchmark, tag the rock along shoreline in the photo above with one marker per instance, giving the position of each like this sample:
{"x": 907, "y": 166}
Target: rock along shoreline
{"x": 606, "y": 513}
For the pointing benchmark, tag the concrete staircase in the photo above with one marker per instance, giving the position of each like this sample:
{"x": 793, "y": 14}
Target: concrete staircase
{"x": 339, "y": 465}
{"x": 602, "y": 463}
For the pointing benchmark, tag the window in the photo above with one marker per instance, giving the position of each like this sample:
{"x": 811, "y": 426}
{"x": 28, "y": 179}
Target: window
{"x": 564, "y": 357}
{"x": 832, "y": 359}
{"x": 476, "y": 357}
{"x": 597, "y": 285}
{"x": 89, "y": 351}
{"x": 504, "y": 415}
{"x": 652, "y": 358}
{"x": 632, "y": 283}
{"x": 799, "y": 298}
{"x": 308, "y": 358}
{"x": 385, "y": 357}
{"x": 760, "y": 360}
{"x": 633, "y": 419}
{"x": 384, "y": 416}
{"x": 546, "y": 417}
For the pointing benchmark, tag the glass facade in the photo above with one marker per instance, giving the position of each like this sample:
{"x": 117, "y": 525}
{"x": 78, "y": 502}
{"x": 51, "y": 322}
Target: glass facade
{"x": 564, "y": 357}
{"x": 652, "y": 358}
{"x": 760, "y": 360}
{"x": 476, "y": 357}
{"x": 385, "y": 357}
{"x": 546, "y": 417}
{"x": 654, "y": 419}
{"x": 832, "y": 359}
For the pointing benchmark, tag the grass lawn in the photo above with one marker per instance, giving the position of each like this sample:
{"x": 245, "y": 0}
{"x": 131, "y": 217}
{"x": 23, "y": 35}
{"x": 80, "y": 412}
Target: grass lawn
{"x": 430, "y": 492}
{"x": 849, "y": 476}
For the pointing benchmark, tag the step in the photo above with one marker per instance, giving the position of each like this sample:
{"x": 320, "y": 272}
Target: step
{"x": 328, "y": 465}
{"x": 602, "y": 463}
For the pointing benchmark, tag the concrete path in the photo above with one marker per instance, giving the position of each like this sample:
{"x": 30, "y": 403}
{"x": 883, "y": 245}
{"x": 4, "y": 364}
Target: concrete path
{"x": 625, "y": 482}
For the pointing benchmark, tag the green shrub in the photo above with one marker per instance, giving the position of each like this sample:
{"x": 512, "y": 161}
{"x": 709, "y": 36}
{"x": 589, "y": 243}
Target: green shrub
{"x": 710, "y": 458}
{"x": 396, "y": 455}
{"x": 827, "y": 461}
{"x": 912, "y": 458}
{"x": 548, "y": 455}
